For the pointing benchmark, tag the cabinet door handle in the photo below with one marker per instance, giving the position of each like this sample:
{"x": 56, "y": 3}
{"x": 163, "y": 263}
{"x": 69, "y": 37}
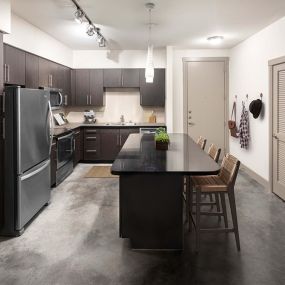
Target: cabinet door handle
{"x": 120, "y": 140}
{"x": 8, "y": 73}
{"x": 4, "y": 69}
{"x": 65, "y": 100}
{"x": 87, "y": 99}
{"x": 118, "y": 143}
{"x": 90, "y": 101}
{"x": 89, "y": 150}
{"x": 51, "y": 79}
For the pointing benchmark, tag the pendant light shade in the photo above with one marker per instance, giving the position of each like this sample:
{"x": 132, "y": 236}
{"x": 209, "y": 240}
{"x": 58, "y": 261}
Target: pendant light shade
{"x": 149, "y": 70}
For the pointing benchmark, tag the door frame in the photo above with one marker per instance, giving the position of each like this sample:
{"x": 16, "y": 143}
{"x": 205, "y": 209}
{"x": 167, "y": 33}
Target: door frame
{"x": 225, "y": 60}
{"x": 271, "y": 64}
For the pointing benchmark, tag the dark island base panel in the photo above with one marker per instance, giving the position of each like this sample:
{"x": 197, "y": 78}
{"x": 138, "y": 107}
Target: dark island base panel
{"x": 151, "y": 211}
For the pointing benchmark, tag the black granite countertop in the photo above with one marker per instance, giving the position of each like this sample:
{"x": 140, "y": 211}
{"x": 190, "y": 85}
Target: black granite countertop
{"x": 184, "y": 156}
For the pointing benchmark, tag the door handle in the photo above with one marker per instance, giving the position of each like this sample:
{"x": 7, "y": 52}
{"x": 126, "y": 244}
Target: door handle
{"x": 65, "y": 100}
{"x": 5, "y": 73}
{"x": 275, "y": 136}
{"x": 90, "y": 100}
{"x": 87, "y": 99}
{"x": 191, "y": 124}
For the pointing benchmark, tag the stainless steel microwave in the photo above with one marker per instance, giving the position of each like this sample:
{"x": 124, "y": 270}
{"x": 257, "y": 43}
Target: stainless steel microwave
{"x": 56, "y": 98}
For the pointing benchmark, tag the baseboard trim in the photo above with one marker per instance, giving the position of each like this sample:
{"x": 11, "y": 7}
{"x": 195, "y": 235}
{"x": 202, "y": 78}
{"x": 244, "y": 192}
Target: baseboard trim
{"x": 256, "y": 177}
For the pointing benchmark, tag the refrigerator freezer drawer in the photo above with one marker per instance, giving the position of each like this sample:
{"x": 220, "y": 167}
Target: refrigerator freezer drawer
{"x": 33, "y": 193}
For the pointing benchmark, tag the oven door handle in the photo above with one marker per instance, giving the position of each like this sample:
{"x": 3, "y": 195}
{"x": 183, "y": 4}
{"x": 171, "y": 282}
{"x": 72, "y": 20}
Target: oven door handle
{"x": 64, "y": 137}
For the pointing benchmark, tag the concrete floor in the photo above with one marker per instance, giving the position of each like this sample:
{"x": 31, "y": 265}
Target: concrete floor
{"x": 75, "y": 241}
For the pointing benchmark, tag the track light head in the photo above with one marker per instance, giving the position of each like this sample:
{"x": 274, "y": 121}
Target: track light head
{"x": 91, "y": 30}
{"x": 79, "y": 16}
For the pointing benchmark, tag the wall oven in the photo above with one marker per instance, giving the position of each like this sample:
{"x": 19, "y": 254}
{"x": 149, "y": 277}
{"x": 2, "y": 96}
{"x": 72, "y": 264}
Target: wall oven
{"x": 65, "y": 152}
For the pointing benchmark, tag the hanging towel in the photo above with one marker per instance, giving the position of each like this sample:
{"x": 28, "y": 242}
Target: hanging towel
{"x": 244, "y": 128}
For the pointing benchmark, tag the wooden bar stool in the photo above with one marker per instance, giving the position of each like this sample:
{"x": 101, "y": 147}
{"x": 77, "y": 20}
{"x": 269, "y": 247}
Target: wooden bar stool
{"x": 201, "y": 142}
{"x": 223, "y": 183}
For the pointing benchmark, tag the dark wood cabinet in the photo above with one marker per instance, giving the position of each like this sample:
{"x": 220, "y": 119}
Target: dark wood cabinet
{"x": 66, "y": 88}
{"x": 32, "y": 71}
{"x": 89, "y": 90}
{"x": 130, "y": 78}
{"x": 78, "y": 146}
{"x": 124, "y": 134}
{"x": 1, "y": 67}
{"x": 44, "y": 73}
{"x": 96, "y": 87}
{"x": 92, "y": 144}
{"x": 14, "y": 66}
{"x": 126, "y": 78}
{"x": 110, "y": 144}
{"x": 153, "y": 94}
{"x": 53, "y": 163}
{"x": 112, "y": 77}
{"x": 82, "y": 87}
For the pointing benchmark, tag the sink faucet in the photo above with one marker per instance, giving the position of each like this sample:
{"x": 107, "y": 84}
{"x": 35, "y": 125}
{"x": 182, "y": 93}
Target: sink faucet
{"x": 122, "y": 119}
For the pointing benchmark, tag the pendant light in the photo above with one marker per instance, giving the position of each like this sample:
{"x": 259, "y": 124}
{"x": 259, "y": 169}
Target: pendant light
{"x": 149, "y": 70}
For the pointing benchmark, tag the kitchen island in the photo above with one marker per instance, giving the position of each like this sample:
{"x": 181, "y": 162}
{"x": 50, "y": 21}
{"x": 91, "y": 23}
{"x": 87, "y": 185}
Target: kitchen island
{"x": 151, "y": 188}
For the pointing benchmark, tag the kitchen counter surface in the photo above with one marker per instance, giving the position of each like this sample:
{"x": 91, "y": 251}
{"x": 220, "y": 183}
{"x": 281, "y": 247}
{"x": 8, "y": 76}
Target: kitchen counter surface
{"x": 60, "y": 130}
{"x": 184, "y": 156}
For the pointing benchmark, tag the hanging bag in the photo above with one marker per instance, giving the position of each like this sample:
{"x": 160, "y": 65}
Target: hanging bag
{"x": 232, "y": 123}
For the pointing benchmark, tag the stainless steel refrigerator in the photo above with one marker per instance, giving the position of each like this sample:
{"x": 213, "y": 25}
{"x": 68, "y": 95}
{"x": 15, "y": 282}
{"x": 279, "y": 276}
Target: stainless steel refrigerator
{"x": 28, "y": 139}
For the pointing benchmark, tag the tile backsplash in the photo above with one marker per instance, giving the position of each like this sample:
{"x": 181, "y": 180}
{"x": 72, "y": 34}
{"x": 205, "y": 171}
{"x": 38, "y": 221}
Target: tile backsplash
{"x": 118, "y": 103}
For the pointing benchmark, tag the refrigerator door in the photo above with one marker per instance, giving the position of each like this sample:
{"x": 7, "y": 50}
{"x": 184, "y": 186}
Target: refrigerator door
{"x": 33, "y": 128}
{"x": 33, "y": 193}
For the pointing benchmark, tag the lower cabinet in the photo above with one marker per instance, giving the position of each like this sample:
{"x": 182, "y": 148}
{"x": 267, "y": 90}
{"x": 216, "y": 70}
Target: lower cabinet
{"x": 104, "y": 144}
{"x": 53, "y": 163}
{"x": 78, "y": 146}
{"x": 92, "y": 144}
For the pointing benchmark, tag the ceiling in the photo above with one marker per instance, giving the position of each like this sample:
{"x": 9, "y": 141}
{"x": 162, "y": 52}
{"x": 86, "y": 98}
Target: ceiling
{"x": 182, "y": 23}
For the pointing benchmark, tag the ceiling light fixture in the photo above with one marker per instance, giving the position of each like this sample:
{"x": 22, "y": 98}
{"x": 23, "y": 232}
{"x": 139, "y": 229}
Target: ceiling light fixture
{"x": 92, "y": 30}
{"x": 78, "y": 16}
{"x": 215, "y": 40}
{"x": 149, "y": 70}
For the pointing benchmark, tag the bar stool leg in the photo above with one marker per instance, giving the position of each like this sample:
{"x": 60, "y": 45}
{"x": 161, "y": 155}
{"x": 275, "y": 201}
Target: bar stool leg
{"x": 217, "y": 198}
{"x": 198, "y": 200}
{"x": 223, "y": 201}
{"x": 234, "y": 217}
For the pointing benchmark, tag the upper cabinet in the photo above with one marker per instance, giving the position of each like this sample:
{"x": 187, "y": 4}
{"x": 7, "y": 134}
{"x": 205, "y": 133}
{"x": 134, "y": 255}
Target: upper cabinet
{"x": 130, "y": 78}
{"x": 32, "y": 71}
{"x": 112, "y": 78}
{"x": 118, "y": 78}
{"x": 153, "y": 94}
{"x": 45, "y": 71}
{"x": 89, "y": 90}
{"x": 14, "y": 66}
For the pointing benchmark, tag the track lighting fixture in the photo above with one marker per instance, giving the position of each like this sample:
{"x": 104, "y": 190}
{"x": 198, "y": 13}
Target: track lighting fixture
{"x": 92, "y": 30}
{"x": 79, "y": 16}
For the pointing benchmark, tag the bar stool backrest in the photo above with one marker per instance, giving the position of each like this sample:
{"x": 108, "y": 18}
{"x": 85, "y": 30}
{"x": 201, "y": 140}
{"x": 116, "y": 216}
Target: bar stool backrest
{"x": 201, "y": 142}
{"x": 214, "y": 152}
{"x": 229, "y": 170}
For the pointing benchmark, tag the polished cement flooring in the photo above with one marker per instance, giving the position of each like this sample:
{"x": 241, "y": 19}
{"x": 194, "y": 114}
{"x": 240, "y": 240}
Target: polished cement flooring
{"x": 75, "y": 241}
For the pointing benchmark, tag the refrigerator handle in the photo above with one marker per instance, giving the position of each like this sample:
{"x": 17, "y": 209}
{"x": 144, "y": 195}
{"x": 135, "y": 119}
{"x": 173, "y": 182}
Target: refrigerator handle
{"x": 51, "y": 127}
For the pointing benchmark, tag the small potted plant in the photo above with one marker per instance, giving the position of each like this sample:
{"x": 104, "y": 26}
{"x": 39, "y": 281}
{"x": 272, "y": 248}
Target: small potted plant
{"x": 161, "y": 139}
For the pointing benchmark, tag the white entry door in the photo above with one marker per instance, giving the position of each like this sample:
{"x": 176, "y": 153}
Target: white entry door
{"x": 279, "y": 130}
{"x": 206, "y": 91}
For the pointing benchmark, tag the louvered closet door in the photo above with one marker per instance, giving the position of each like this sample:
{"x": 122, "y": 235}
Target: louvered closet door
{"x": 279, "y": 130}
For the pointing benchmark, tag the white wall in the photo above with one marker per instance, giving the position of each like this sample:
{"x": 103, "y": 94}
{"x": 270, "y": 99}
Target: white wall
{"x": 116, "y": 58}
{"x": 249, "y": 75}
{"x": 29, "y": 38}
{"x": 178, "y": 55}
{"x": 5, "y": 16}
